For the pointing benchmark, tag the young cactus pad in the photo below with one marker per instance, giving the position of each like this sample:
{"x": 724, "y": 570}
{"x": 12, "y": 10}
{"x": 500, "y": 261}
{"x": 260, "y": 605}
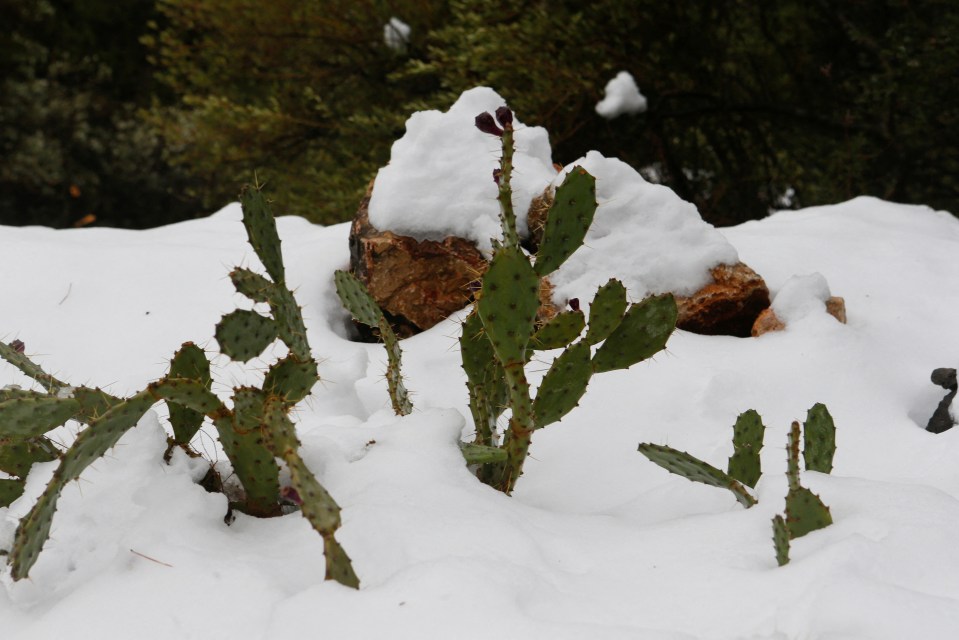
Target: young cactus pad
{"x": 692, "y": 468}
{"x": 744, "y": 464}
{"x": 819, "y": 436}
{"x": 568, "y": 220}
{"x": 360, "y": 303}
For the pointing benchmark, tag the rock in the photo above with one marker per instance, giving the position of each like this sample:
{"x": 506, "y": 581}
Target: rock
{"x": 729, "y": 305}
{"x": 769, "y": 321}
{"x": 417, "y": 283}
{"x": 941, "y": 420}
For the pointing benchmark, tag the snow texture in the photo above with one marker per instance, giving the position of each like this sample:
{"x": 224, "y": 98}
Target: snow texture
{"x": 621, "y": 96}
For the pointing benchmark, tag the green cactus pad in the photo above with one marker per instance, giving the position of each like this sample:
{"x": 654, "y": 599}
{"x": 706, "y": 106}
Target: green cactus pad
{"x": 781, "y": 540}
{"x": 242, "y": 437}
{"x": 745, "y": 464}
{"x": 560, "y": 331}
{"x": 568, "y": 220}
{"x": 482, "y": 454}
{"x": 819, "y": 434}
{"x": 261, "y": 230}
{"x": 399, "y": 396}
{"x": 291, "y": 379}
{"x": 289, "y": 322}
{"x": 26, "y": 417}
{"x": 339, "y": 567}
{"x": 508, "y": 303}
{"x": 10, "y": 490}
{"x": 243, "y": 335}
{"x": 189, "y": 362}
{"x": 692, "y": 468}
{"x": 188, "y": 394}
{"x": 563, "y": 386}
{"x": 357, "y": 299}
{"x": 92, "y": 443}
{"x": 643, "y": 332}
{"x": 251, "y": 284}
{"x": 606, "y": 311}
{"x": 485, "y": 379}
{"x": 18, "y": 456}
{"x": 805, "y": 512}
{"x": 13, "y": 394}
{"x": 94, "y": 403}
{"x": 30, "y": 369}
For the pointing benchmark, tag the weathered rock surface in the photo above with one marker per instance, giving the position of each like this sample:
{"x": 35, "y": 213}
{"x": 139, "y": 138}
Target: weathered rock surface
{"x": 417, "y": 283}
{"x": 729, "y": 305}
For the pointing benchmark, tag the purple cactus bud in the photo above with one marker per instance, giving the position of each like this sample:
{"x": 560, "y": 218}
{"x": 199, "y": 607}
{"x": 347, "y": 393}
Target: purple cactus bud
{"x": 292, "y": 495}
{"x": 497, "y": 174}
{"x": 504, "y": 116}
{"x": 18, "y": 346}
{"x": 574, "y": 304}
{"x": 484, "y": 122}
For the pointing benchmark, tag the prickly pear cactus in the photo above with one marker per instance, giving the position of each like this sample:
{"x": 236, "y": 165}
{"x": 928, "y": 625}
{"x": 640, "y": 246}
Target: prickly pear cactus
{"x": 805, "y": 512}
{"x": 502, "y": 328}
{"x": 357, "y": 299}
{"x": 819, "y": 436}
{"x": 781, "y": 540}
{"x": 744, "y": 464}
{"x": 692, "y": 468}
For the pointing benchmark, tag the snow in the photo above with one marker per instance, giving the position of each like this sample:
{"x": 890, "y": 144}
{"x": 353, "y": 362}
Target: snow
{"x": 642, "y": 233}
{"x": 396, "y": 35}
{"x": 621, "y": 97}
{"x": 439, "y": 180}
{"x": 596, "y": 542}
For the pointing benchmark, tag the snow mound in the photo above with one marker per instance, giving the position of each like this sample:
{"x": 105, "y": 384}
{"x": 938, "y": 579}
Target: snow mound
{"x": 643, "y": 234}
{"x": 800, "y": 297}
{"x": 621, "y": 96}
{"x": 439, "y": 181}
{"x": 396, "y": 35}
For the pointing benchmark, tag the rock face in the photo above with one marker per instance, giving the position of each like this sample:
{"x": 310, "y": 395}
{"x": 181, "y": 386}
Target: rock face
{"x": 417, "y": 283}
{"x": 727, "y": 306}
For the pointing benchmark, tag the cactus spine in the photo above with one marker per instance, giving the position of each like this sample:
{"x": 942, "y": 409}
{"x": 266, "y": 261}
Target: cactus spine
{"x": 500, "y": 335}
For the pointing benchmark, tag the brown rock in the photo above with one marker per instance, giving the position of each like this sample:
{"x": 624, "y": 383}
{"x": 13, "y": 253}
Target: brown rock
{"x": 417, "y": 283}
{"x": 769, "y": 321}
{"x": 729, "y": 305}
{"x": 766, "y": 322}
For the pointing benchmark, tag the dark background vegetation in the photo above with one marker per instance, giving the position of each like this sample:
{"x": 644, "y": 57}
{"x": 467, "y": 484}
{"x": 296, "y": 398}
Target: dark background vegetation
{"x": 145, "y": 112}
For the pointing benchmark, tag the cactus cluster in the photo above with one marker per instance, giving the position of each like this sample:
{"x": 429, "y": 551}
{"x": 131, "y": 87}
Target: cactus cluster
{"x": 501, "y": 334}
{"x": 805, "y": 512}
{"x": 360, "y": 303}
{"x": 254, "y": 433}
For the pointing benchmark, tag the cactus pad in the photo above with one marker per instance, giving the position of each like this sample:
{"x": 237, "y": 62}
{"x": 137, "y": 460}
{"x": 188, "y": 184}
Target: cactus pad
{"x": 291, "y": 379}
{"x": 243, "y": 335}
{"x": 30, "y": 416}
{"x": 482, "y": 454}
{"x": 606, "y": 311}
{"x": 781, "y": 540}
{"x": 744, "y": 464}
{"x": 17, "y": 456}
{"x": 692, "y": 468}
{"x": 17, "y": 358}
{"x": 261, "y": 230}
{"x": 819, "y": 434}
{"x": 643, "y": 332}
{"x": 357, "y": 299}
{"x": 508, "y": 304}
{"x": 560, "y": 331}
{"x": 189, "y": 362}
{"x": 252, "y": 284}
{"x": 564, "y": 384}
{"x": 568, "y": 220}
{"x": 10, "y": 490}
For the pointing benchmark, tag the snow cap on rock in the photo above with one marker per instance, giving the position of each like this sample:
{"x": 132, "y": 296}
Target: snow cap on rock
{"x": 801, "y": 296}
{"x": 643, "y": 234}
{"x": 621, "y": 96}
{"x": 439, "y": 180}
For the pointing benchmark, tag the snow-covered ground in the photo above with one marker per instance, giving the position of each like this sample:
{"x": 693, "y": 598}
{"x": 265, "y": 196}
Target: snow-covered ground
{"x": 596, "y": 542}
